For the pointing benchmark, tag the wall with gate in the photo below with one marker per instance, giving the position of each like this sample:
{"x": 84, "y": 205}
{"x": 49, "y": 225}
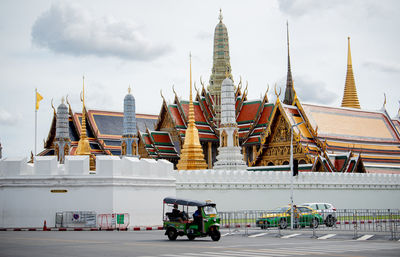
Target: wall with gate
{"x": 32, "y": 193}
{"x": 261, "y": 190}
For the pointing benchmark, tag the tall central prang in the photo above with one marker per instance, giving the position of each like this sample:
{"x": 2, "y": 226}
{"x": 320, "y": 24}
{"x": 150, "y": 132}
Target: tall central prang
{"x": 221, "y": 65}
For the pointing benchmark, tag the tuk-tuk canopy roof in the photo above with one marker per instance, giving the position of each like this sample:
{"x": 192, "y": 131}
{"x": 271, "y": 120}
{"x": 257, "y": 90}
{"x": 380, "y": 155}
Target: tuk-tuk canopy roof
{"x": 180, "y": 201}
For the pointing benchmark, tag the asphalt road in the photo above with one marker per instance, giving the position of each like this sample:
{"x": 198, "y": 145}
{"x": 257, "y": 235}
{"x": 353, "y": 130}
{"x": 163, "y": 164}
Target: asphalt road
{"x": 154, "y": 243}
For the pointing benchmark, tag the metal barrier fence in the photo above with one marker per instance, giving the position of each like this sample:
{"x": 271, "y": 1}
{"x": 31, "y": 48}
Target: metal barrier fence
{"x": 74, "y": 219}
{"x": 386, "y": 221}
{"x": 119, "y": 221}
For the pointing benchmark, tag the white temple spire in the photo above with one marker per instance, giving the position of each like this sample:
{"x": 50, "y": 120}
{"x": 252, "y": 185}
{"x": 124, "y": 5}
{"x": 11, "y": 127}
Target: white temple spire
{"x": 229, "y": 156}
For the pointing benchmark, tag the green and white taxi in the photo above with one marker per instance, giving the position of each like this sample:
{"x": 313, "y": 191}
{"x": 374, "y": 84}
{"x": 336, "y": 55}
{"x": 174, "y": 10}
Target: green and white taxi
{"x": 281, "y": 217}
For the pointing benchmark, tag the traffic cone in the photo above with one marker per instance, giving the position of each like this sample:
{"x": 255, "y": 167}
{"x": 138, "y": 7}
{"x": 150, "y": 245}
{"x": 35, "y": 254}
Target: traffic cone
{"x": 44, "y": 226}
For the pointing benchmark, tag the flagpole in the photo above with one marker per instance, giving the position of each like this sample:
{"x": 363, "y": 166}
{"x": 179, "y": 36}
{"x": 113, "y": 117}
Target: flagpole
{"x": 35, "y": 118}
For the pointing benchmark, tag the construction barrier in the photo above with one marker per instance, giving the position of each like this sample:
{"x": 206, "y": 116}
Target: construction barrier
{"x": 111, "y": 221}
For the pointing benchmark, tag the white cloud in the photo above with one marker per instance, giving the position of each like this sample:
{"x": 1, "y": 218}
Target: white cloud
{"x": 68, "y": 29}
{"x": 203, "y": 35}
{"x": 310, "y": 91}
{"x": 8, "y": 119}
{"x": 382, "y": 66}
{"x": 302, "y": 7}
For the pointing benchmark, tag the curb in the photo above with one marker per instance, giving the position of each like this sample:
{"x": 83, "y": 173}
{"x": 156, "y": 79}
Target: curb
{"x": 83, "y": 229}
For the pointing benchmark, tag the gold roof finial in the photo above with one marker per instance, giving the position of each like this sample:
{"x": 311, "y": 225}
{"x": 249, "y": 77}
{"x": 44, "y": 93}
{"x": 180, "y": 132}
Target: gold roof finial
{"x": 192, "y": 156}
{"x": 350, "y": 98}
{"x": 129, "y": 89}
{"x": 62, "y": 100}
{"x": 83, "y": 91}
{"x": 349, "y": 62}
{"x": 384, "y": 101}
{"x": 398, "y": 112}
{"x": 52, "y": 106}
{"x": 190, "y": 97}
{"x": 220, "y": 15}
{"x": 83, "y": 144}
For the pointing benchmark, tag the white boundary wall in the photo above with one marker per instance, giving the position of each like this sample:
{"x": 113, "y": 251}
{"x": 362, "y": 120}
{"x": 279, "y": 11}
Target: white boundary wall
{"x": 129, "y": 186}
{"x": 137, "y": 187}
{"x": 263, "y": 190}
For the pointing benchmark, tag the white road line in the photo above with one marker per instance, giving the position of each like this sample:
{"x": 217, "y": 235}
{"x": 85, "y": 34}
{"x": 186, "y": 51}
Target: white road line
{"x": 327, "y": 236}
{"x": 257, "y": 235}
{"x": 365, "y": 237}
{"x": 224, "y": 254}
{"x": 255, "y": 254}
{"x": 275, "y": 252}
{"x": 174, "y": 255}
{"x": 291, "y": 235}
{"x": 226, "y": 234}
{"x": 194, "y": 254}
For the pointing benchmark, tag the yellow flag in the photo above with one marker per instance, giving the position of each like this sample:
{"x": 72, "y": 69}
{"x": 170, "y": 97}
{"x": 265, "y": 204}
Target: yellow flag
{"x": 38, "y": 99}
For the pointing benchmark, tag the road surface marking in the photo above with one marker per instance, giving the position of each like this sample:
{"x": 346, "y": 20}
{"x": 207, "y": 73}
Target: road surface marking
{"x": 327, "y": 236}
{"x": 255, "y": 254}
{"x": 276, "y": 252}
{"x": 365, "y": 237}
{"x": 257, "y": 235}
{"x": 243, "y": 253}
{"x": 291, "y": 235}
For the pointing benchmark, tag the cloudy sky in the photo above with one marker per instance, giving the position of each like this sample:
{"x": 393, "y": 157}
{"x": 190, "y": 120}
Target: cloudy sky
{"x": 50, "y": 45}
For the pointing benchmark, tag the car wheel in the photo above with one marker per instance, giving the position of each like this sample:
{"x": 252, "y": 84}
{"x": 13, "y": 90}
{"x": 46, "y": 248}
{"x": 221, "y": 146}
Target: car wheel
{"x": 191, "y": 237}
{"x": 172, "y": 234}
{"x": 282, "y": 224}
{"x": 215, "y": 235}
{"x": 314, "y": 223}
{"x": 330, "y": 221}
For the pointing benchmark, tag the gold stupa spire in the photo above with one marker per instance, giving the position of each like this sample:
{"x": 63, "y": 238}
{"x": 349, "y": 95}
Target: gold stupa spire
{"x": 350, "y": 98}
{"x": 83, "y": 144}
{"x": 191, "y": 157}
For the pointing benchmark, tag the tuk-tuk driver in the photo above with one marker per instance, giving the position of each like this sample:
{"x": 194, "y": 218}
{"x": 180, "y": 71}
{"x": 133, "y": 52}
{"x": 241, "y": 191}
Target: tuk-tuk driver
{"x": 197, "y": 217}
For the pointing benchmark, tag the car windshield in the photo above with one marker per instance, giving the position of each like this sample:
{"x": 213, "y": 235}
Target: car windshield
{"x": 210, "y": 210}
{"x": 281, "y": 209}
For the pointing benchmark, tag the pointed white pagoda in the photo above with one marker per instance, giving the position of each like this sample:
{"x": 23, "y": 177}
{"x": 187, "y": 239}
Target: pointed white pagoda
{"x": 229, "y": 156}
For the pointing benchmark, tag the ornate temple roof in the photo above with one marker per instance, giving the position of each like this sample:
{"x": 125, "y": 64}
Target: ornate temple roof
{"x": 104, "y": 130}
{"x": 340, "y": 130}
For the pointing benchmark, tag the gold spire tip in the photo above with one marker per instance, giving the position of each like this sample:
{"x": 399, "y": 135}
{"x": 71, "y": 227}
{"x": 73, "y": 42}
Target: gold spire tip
{"x": 220, "y": 15}
{"x": 129, "y": 89}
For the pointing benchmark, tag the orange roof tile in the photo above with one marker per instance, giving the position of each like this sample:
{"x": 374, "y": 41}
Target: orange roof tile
{"x": 249, "y": 112}
{"x": 351, "y": 124}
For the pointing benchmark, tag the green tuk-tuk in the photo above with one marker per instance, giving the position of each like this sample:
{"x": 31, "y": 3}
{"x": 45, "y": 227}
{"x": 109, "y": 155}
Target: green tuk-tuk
{"x": 191, "y": 218}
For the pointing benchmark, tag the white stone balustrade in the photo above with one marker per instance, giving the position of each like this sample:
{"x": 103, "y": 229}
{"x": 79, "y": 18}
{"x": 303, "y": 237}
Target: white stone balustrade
{"x": 282, "y": 179}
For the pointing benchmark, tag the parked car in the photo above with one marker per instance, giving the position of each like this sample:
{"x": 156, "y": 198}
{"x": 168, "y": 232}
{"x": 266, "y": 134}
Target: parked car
{"x": 281, "y": 217}
{"x": 327, "y": 211}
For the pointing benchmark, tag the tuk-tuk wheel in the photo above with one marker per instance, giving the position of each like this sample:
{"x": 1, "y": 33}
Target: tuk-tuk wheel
{"x": 172, "y": 234}
{"x": 191, "y": 237}
{"x": 215, "y": 235}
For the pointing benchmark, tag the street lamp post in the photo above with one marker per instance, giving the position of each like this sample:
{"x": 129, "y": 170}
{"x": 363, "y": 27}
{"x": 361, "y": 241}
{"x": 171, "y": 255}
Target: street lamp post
{"x": 291, "y": 172}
